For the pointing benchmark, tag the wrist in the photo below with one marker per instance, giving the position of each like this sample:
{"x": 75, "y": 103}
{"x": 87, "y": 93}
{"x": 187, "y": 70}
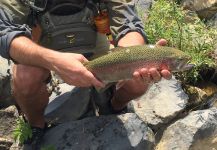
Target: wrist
{"x": 50, "y": 58}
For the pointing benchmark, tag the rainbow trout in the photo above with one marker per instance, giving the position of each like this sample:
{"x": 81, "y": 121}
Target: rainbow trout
{"x": 123, "y": 61}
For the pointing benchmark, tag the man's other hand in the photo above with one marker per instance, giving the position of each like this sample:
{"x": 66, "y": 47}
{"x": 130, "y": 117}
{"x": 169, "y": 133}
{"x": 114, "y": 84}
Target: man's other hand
{"x": 70, "y": 68}
{"x": 152, "y": 74}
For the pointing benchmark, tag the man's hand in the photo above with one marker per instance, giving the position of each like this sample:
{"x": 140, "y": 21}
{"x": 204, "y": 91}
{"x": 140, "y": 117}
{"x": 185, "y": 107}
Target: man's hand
{"x": 70, "y": 68}
{"x": 152, "y": 74}
{"x": 144, "y": 75}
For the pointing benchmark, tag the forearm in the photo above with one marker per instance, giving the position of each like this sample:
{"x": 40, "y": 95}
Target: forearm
{"x": 130, "y": 39}
{"x": 25, "y": 51}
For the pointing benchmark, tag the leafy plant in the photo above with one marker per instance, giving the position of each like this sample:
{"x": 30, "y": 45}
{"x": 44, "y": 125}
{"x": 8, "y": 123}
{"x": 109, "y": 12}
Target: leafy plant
{"x": 167, "y": 20}
{"x": 22, "y": 131}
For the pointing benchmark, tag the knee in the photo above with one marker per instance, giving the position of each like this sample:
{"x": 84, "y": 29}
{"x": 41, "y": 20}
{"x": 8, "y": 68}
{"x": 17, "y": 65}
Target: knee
{"x": 26, "y": 80}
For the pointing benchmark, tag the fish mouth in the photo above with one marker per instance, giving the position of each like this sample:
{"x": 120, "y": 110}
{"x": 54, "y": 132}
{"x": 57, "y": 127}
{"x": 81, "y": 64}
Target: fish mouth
{"x": 184, "y": 66}
{"x": 187, "y": 67}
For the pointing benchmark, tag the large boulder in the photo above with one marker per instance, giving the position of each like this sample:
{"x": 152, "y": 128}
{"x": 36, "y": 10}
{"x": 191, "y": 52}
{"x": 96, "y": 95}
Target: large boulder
{"x": 205, "y": 8}
{"x": 65, "y": 106}
{"x": 162, "y": 102}
{"x": 122, "y": 132}
{"x": 197, "y": 131}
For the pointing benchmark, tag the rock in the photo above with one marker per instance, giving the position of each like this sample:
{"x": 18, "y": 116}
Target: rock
{"x": 213, "y": 22}
{"x": 5, "y": 88}
{"x": 212, "y": 102}
{"x": 5, "y": 143}
{"x": 197, "y": 131}
{"x": 208, "y": 87}
{"x": 197, "y": 97}
{"x": 162, "y": 102}
{"x": 215, "y": 103}
{"x": 122, "y": 132}
{"x": 8, "y": 121}
{"x": 5, "y": 67}
{"x": 190, "y": 16}
{"x": 144, "y": 4}
{"x": 61, "y": 89}
{"x": 64, "y": 107}
{"x": 143, "y": 8}
{"x": 16, "y": 146}
{"x": 205, "y": 8}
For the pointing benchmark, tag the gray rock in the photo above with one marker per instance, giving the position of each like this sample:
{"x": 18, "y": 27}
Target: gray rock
{"x": 144, "y": 4}
{"x": 124, "y": 132}
{"x": 143, "y": 8}
{"x": 62, "y": 88}
{"x": 198, "y": 5}
{"x": 71, "y": 104}
{"x": 8, "y": 118}
{"x": 213, "y": 22}
{"x": 197, "y": 131}
{"x": 5, "y": 67}
{"x": 213, "y": 101}
{"x": 205, "y": 8}
{"x": 5, "y": 88}
{"x": 162, "y": 102}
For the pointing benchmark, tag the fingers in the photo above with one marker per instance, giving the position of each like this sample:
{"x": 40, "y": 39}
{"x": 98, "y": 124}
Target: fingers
{"x": 152, "y": 75}
{"x": 136, "y": 76}
{"x": 142, "y": 75}
{"x": 93, "y": 80}
{"x": 166, "y": 74}
{"x": 146, "y": 75}
{"x": 80, "y": 58}
{"x": 162, "y": 42}
{"x": 156, "y": 76}
{"x": 86, "y": 77}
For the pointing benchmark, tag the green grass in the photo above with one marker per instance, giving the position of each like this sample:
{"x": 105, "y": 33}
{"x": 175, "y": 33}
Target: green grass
{"x": 22, "y": 131}
{"x": 167, "y": 20}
